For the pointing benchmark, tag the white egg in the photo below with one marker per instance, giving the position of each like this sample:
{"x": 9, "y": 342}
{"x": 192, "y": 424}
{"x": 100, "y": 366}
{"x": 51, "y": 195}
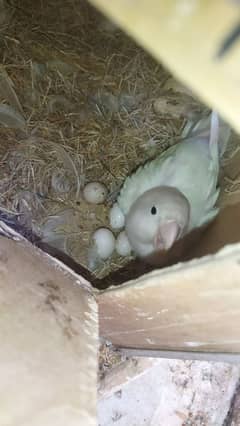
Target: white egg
{"x": 123, "y": 246}
{"x": 104, "y": 241}
{"x": 116, "y": 217}
{"x": 95, "y": 192}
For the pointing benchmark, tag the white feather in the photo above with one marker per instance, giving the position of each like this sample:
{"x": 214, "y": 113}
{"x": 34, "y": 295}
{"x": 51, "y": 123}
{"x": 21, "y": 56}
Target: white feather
{"x": 191, "y": 166}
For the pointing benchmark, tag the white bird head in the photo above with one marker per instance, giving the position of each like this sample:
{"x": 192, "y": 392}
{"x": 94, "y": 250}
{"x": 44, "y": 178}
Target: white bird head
{"x": 157, "y": 219}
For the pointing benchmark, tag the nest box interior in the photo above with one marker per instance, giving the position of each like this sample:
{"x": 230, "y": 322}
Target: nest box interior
{"x": 82, "y": 101}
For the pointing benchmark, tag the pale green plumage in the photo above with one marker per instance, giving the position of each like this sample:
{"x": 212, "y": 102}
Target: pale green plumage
{"x": 191, "y": 166}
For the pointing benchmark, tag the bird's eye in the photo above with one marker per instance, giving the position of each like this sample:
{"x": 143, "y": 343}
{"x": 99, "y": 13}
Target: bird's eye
{"x": 153, "y": 210}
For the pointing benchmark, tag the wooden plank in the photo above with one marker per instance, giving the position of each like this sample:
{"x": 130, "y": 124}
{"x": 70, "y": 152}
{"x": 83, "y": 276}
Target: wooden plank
{"x": 185, "y": 36}
{"x": 230, "y": 358}
{"x": 48, "y": 333}
{"x": 194, "y": 306}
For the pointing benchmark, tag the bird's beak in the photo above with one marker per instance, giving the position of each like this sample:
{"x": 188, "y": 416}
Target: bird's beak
{"x": 166, "y": 235}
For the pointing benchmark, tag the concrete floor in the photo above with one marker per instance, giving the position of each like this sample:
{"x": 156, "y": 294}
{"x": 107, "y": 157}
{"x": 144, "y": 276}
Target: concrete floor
{"x": 162, "y": 392}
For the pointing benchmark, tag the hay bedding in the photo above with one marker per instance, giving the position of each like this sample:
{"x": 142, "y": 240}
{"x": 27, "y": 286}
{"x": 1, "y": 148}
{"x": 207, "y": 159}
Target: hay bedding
{"x": 80, "y": 102}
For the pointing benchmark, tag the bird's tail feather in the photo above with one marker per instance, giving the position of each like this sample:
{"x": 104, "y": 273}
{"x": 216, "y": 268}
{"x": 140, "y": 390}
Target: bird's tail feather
{"x": 213, "y": 127}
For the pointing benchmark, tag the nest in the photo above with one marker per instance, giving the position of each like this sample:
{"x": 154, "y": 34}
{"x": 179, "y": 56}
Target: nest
{"x": 79, "y": 102}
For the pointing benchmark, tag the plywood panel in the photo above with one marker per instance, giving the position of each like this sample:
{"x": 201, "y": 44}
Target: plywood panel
{"x": 48, "y": 333}
{"x": 193, "y": 306}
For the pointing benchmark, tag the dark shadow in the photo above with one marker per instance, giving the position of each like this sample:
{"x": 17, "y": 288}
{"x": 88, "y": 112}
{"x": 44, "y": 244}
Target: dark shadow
{"x": 180, "y": 251}
{"x": 202, "y": 241}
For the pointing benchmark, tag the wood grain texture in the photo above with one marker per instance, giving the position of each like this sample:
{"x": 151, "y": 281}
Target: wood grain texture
{"x": 192, "y": 306}
{"x": 49, "y": 334}
{"x": 185, "y": 36}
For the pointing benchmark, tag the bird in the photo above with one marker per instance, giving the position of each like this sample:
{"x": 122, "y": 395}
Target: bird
{"x": 177, "y": 191}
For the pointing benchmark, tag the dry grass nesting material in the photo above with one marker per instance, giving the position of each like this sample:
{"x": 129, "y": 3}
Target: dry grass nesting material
{"x": 109, "y": 357}
{"x": 84, "y": 103}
